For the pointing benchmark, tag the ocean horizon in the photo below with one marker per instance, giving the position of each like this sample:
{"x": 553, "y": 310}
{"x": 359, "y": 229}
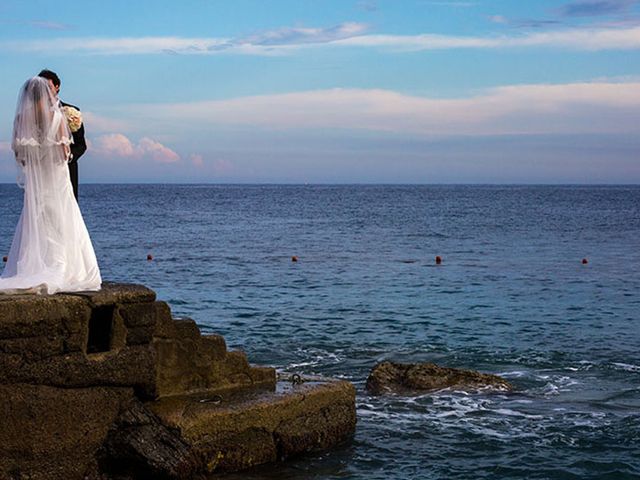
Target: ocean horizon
{"x": 364, "y": 184}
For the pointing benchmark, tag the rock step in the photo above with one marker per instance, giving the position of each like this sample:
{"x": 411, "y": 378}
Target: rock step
{"x": 230, "y": 430}
{"x": 188, "y": 362}
{"x": 120, "y": 336}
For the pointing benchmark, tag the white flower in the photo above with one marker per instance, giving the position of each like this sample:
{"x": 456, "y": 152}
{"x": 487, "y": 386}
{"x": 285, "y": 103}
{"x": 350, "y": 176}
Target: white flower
{"x": 74, "y": 118}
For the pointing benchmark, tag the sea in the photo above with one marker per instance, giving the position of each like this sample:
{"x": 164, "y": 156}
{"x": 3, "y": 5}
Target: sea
{"x": 511, "y": 297}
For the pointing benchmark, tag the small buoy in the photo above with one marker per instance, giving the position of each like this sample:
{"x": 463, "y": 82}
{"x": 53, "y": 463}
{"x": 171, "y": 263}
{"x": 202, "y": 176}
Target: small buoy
{"x": 5, "y": 258}
{"x": 149, "y": 257}
{"x": 585, "y": 261}
{"x": 294, "y": 258}
{"x": 438, "y": 259}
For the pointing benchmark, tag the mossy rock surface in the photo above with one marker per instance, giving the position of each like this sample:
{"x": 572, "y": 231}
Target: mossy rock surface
{"x": 107, "y": 385}
{"x": 416, "y": 378}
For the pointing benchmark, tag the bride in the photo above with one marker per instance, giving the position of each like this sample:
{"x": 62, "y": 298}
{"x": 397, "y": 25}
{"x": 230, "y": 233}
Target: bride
{"x": 51, "y": 249}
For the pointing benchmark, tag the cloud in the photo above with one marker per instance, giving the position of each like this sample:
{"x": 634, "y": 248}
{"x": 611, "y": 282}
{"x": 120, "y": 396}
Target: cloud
{"x": 222, "y": 167}
{"x": 588, "y": 8}
{"x": 40, "y": 24}
{"x": 367, "y": 5}
{"x": 118, "y": 145}
{"x": 523, "y": 109}
{"x": 114, "y": 144}
{"x": 627, "y": 21}
{"x": 535, "y": 23}
{"x": 271, "y": 42}
{"x": 118, "y": 46}
{"x": 48, "y": 25}
{"x": 498, "y": 19}
{"x": 593, "y": 39}
{"x": 579, "y": 8}
{"x": 218, "y": 167}
{"x": 452, "y": 3}
{"x": 302, "y": 35}
{"x": 196, "y": 159}
{"x": 347, "y": 35}
{"x": 522, "y": 23}
{"x": 157, "y": 151}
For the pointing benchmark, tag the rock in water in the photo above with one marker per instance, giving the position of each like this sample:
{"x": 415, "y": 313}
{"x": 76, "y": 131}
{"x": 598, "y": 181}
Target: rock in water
{"x": 403, "y": 378}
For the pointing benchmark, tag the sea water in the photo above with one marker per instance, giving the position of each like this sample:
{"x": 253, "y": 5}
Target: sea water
{"x": 512, "y": 297}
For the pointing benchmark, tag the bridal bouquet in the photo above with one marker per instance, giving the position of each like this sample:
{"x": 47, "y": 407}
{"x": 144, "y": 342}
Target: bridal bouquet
{"x": 74, "y": 118}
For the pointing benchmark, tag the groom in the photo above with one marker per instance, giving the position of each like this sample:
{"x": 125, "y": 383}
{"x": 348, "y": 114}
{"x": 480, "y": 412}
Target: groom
{"x": 79, "y": 145}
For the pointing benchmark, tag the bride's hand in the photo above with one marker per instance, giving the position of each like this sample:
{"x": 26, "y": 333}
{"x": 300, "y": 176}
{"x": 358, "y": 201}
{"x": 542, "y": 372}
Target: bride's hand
{"x": 67, "y": 152}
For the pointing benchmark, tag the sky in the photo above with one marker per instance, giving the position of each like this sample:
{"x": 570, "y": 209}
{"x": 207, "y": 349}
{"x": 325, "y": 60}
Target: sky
{"x": 337, "y": 91}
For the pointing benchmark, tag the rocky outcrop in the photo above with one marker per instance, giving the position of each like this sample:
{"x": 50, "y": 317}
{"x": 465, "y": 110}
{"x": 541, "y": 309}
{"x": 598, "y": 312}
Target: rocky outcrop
{"x": 108, "y": 385}
{"x": 239, "y": 429}
{"x": 118, "y": 337}
{"x": 402, "y": 378}
{"x": 53, "y": 433}
{"x": 140, "y": 445}
{"x": 186, "y": 436}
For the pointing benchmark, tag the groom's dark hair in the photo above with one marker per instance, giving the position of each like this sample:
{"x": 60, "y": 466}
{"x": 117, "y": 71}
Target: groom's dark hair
{"x": 49, "y": 75}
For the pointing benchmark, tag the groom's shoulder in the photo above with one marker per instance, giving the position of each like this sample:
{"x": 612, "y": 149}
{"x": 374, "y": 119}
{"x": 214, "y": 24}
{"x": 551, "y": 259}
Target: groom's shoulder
{"x": 65, "y": 104}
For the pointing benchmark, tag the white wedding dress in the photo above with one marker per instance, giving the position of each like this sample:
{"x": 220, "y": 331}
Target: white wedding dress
{"x": 51, "y": 249}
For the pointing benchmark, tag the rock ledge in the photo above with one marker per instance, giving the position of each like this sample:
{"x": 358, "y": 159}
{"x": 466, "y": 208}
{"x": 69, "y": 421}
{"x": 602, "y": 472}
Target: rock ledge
{"x": 107, "y": 385}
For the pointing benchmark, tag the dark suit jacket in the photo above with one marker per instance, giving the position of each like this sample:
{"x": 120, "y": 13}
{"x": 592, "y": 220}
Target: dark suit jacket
{"x": 78, "y": 147}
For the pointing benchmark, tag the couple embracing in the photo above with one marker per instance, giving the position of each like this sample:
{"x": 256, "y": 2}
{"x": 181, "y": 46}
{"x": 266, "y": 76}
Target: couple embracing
{"x": 51, "y": 250}
{"x": 74, "y": 120}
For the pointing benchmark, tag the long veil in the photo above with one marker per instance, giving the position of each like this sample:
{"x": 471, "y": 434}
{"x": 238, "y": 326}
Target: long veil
{"x": 38, "y": 128}
{"x": 51, "y": 249}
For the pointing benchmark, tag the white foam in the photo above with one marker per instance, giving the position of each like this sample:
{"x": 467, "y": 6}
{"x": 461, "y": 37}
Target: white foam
{"x": 315, "y": 357}
{"x": 513, "y": 413}
{"x": 627, "y": 367}
{"x": 514, "y": 374}
{"x": 556, "y": 384}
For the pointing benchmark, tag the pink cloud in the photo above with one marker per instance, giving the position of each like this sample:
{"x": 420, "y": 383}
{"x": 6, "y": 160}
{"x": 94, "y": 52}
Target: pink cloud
{"x": 219, "y": 167}
{"x": 197, "y": 160}
{"x": 222, "y": 167}
{"x": 117, "y": 144}
{"x": 596, "y": 107}
{"x": 157, "y": 151}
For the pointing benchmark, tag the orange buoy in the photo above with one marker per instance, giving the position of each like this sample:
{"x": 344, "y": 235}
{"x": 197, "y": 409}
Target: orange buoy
{"x": 438, "y": 259}
{"x": 149, "y": 257}
{"x": 585, "y": 261}
{"x": 294, "y": 258}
